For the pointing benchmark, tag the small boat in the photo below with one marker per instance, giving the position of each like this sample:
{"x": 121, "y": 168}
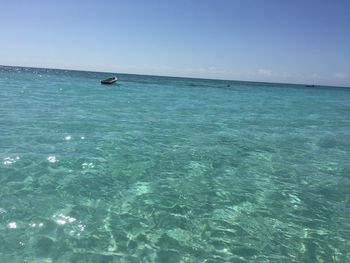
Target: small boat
{"x": 310, "y": 86}
{"x": 109, "y": 80}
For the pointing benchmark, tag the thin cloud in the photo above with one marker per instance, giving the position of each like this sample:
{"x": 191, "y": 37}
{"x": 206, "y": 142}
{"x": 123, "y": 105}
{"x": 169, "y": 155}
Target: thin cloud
{"x": 315, "y": 76}
{"x": 339, "y": 75}
{"x": 264, "y": 72}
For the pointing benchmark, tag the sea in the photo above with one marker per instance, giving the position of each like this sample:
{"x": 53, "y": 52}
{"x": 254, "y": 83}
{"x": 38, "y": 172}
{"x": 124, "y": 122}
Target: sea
{"x": 165, "y": 169}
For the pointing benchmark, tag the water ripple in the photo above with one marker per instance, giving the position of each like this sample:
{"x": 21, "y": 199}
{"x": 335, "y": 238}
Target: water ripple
{"x": 171, "y": 170}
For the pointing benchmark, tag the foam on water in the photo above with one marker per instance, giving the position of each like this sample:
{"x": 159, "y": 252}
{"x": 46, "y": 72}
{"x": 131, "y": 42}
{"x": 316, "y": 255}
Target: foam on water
{"x": 158, "y": 169}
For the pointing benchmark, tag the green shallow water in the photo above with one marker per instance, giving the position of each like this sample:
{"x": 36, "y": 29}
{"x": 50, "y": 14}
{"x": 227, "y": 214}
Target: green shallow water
{"x": 158, "y": 169}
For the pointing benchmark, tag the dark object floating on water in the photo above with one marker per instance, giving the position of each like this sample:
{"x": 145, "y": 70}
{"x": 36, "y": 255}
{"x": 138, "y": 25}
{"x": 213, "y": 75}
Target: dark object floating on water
{"x": 109, "y": 80}
{"x": 310, "y": 86}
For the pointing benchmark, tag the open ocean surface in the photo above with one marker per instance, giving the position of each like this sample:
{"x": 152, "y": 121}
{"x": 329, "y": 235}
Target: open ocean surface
{"x": 159, "y": 169}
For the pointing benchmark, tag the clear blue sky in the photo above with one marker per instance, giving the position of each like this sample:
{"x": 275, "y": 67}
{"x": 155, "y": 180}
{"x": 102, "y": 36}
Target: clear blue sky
{"x": 297, "y": 41}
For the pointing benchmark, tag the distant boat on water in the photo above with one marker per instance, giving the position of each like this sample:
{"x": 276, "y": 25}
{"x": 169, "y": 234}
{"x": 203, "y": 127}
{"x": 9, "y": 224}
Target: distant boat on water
{"x": 310, "y": 86}
{"x": 109, "y": 80}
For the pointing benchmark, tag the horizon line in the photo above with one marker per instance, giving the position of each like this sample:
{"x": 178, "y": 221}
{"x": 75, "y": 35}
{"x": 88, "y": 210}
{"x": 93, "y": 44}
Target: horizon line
{"x": 174, "y": 76}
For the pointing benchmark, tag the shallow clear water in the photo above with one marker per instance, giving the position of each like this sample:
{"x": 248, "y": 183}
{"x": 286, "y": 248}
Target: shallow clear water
{"x": 158, "y": 169}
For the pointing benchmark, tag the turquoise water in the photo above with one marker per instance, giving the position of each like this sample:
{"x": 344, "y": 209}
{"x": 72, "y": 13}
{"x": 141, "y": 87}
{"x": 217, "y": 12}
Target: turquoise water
{"x": 158, "y": 169}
